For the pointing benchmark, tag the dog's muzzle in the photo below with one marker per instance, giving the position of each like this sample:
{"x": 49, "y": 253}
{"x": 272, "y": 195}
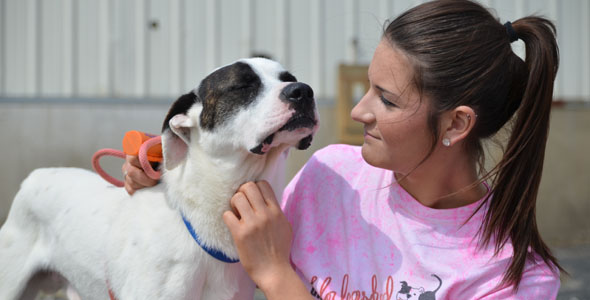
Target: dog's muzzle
{"x": 300, "y": 98}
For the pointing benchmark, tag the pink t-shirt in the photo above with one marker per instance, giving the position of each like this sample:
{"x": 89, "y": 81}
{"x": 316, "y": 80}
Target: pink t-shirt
{"x": 358, "y": 235}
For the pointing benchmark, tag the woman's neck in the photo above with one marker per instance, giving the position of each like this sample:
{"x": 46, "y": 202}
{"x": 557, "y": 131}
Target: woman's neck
{"x": 445, "y": 180}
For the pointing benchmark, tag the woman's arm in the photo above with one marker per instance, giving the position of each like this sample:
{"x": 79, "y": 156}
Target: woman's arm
{"x": 263, "y": 235}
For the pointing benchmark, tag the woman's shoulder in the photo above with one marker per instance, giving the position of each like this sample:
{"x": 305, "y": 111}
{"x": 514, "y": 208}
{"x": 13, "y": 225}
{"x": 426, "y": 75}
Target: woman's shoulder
{"x": 337, "y": 156}
{"x": 338, "y": 151}
{"x": 329, "y": 168}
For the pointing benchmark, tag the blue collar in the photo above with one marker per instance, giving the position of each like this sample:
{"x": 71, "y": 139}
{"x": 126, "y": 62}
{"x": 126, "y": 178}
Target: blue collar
{"x": 213, "y": 252}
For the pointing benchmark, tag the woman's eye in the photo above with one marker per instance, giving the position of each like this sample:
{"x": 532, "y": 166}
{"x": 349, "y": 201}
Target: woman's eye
{"x": 386, "y": 102}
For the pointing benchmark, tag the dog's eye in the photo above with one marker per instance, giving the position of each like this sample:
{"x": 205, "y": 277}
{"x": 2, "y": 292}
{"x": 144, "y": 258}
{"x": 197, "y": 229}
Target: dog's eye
{"x": 240, "y": 87}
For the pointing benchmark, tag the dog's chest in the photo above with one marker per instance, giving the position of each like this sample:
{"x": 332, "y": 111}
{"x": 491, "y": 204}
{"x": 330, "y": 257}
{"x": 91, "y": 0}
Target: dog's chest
{"x": 152, "y": 247}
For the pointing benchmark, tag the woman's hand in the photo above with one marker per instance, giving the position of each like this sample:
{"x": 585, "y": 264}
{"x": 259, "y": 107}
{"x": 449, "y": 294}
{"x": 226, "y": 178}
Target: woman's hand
{"x": 135, "y": 177}
{"x": 262, "y": 235}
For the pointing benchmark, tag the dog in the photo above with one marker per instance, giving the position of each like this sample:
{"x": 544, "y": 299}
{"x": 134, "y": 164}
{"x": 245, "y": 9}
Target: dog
{"x": 168, "y": 241}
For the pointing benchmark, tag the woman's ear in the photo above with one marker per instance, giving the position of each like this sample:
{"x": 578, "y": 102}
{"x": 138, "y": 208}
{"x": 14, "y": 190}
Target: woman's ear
{"x": 457, "y": 124}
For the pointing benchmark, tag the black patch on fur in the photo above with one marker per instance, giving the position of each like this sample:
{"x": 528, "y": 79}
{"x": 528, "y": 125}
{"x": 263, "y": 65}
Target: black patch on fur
{"x": 287, "y": 77}
{"x": 225, "y": 91}
{"x": 180, "y": 106}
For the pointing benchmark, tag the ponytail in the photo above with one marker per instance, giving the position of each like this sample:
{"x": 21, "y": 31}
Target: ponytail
{"x": 511, "y": 211}
{"x": 462, "y": 56}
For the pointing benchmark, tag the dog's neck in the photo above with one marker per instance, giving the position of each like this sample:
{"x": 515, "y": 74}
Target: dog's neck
{"x": 202, "y": 186}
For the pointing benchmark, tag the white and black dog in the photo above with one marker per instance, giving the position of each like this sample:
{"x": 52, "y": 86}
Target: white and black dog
{"x": 169, "y": 241}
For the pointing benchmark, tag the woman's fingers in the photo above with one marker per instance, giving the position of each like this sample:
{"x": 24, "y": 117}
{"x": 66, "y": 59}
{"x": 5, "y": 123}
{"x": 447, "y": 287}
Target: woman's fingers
{"x": 135, "y": 177}
{"x": 261, "y": 232}
{"x": 253, "y": 193}
{"x": 268, "y": 193}
{"x": 242, "y": 206}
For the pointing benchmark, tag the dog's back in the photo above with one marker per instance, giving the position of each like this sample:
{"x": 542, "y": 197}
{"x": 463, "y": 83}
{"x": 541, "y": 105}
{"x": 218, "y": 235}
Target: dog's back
{"x": 71, "y": 221}
{"x": 49, "y": 202}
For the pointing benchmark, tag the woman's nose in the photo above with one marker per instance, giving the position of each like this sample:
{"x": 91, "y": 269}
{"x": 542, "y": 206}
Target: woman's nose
{"x": 361, "y": 111}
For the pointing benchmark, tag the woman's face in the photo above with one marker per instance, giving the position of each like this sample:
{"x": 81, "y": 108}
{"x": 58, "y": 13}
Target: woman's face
{"x": 397, "y": 136}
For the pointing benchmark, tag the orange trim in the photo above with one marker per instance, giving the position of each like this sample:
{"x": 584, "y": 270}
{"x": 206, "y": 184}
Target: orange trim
{"x": 133, "y": 140}
{"x": 111, "y": 295}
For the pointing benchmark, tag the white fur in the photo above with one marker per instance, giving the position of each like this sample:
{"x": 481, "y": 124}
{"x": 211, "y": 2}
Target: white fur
{"x": 73, "y": 222}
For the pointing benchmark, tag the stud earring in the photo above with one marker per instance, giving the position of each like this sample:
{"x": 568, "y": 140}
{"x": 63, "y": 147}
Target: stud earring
{"x": 446, "y": 142}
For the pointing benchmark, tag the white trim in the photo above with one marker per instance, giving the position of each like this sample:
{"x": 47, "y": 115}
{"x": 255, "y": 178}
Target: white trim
{"x": 33, "y": 45}
{"x": 2, "y": 46}
{"x": 141, "y": 45}
{"x": 175, "y": 31}
{"x": 105, "y": 48}
{"x": 282, "y": 33}
{"x": 585, "y": 48}
{"x": 247, "y": 25}
{"x": 351, "y": 28}
{"x": 67, "y": 53}
{"x": 317, "y": 47}
{"x": 212, "y": 29}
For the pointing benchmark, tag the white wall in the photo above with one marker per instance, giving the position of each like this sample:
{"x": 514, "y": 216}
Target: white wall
{"x": 109, "y": 48}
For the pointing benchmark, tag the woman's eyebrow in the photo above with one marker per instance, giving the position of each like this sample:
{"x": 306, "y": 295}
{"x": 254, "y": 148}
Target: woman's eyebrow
{"x": 386, "y": 91}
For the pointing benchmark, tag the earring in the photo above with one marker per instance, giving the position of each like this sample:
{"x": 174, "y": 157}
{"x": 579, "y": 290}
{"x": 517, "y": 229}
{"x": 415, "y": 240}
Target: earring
{"x": 446, "y": 142}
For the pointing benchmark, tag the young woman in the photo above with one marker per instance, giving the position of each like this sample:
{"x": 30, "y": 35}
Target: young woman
{"x": 410, "y": 214}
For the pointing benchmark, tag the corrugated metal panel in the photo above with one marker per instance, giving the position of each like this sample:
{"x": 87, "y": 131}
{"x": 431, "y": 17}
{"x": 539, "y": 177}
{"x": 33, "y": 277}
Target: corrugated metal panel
{"x": 159, "y": 48}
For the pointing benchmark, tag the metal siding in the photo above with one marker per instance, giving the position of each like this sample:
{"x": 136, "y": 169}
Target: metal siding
{"x": 86, "y": 64}
{"x": 2, "y": 46}
{"x": 570, "y": 34}
{"x": 230, "y": 33}
{"x": 20, "y": 34}
{"x": 194, "y": 53}
{"x": 335, "y": 43}
{"x": 369, "y": 30}
{"x": 63, "y": 48}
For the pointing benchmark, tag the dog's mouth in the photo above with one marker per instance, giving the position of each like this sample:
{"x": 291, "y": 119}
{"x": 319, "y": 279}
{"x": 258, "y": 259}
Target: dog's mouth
{"x": 299, "y": 128}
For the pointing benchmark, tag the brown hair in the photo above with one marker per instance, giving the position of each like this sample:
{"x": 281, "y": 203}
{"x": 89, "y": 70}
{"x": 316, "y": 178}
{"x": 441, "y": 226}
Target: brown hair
{"x": 462, "y": 56}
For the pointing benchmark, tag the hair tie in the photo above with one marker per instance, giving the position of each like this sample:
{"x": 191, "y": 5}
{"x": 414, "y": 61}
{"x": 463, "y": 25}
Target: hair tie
{"x": 510, "y": 31}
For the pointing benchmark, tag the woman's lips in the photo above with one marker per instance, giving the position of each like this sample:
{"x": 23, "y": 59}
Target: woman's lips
{"x": 371, "y": 135}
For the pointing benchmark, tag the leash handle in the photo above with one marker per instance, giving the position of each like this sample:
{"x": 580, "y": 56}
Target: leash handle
{"x": 146, "y": 146}
{"x": 96, "y": 165}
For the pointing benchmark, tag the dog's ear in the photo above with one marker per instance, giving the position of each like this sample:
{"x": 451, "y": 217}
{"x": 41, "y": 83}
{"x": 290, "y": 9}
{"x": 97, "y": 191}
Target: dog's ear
{"x": 175, "y": 140}
{"x": 176, "y": 130}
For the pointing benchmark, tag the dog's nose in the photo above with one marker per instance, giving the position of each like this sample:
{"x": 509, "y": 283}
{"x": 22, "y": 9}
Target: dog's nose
{"x": 297, "y": 92}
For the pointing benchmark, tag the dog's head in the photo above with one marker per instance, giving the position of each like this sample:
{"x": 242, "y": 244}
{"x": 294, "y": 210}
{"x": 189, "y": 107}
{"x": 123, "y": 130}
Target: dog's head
{"x": 251, "y": 107}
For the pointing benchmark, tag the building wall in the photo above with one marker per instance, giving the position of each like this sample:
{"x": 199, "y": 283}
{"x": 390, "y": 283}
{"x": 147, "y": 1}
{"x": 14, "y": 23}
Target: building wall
{"x": 161, "y": 48}
{"x": 76, "y": 74}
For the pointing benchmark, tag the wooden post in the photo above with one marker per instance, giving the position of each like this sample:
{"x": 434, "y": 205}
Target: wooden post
{"x": 350, "y": 76}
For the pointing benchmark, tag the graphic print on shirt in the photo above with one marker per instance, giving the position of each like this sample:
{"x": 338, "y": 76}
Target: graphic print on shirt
{"x": 327, "y": 292}
{"x": 408, "y": 292}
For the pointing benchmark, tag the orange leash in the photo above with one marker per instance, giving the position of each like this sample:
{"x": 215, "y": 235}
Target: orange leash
{"x": 146, "y": 146}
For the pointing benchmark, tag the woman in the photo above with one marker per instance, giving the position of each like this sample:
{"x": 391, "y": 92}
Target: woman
{"x": 409, "y": 214}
